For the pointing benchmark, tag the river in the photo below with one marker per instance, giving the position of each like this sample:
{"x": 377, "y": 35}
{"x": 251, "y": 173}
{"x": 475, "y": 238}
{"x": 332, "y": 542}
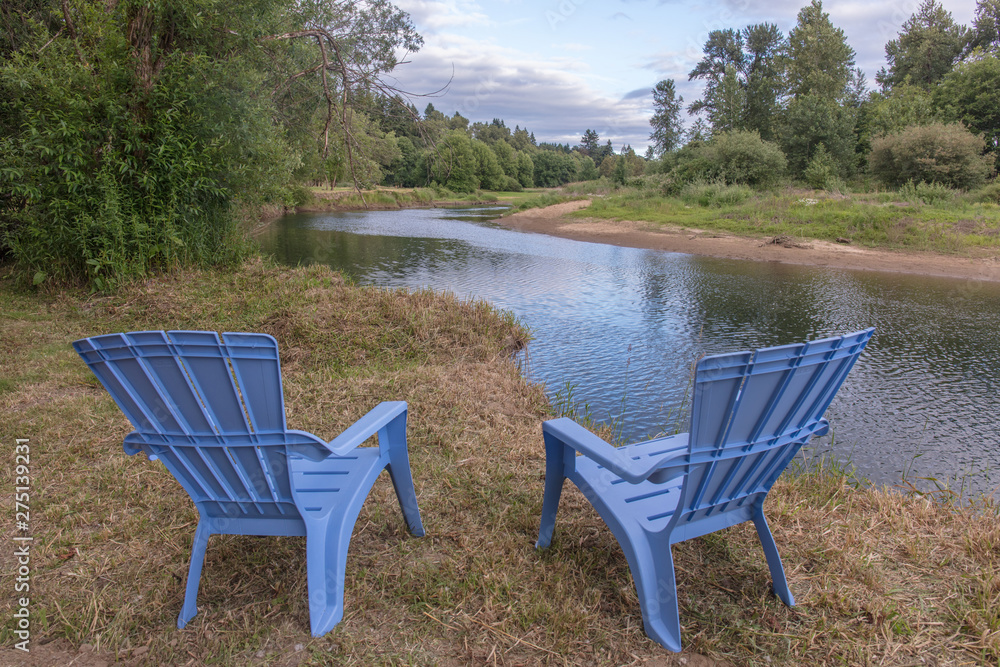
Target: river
{"x": 616, "y": 330}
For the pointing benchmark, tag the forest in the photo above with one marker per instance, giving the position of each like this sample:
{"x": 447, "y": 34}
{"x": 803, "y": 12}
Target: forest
{"x": 137, "y": 135}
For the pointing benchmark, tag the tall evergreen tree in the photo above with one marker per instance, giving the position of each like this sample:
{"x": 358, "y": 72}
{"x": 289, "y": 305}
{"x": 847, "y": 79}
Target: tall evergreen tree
{"x": 668, "y": 131}
{"x": 926, "y": 49}
{"x": 820, "y": 61}
{"x": 743, "y": 74}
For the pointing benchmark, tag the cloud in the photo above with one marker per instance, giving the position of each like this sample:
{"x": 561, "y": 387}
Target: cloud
{"x": 434, "y": 15}
{"x": 549, "y": 97}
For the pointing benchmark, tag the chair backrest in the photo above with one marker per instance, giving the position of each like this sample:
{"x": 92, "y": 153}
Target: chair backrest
{"x": 212, "y": 410}
{"x": 752, "y": 411}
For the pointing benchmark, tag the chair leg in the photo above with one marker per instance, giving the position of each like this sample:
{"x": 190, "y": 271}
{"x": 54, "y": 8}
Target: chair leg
{"x": 198, "y": 548}
{"x": 555, "y": 475}
{"x": 779, "y": 582}
{"x": 651, "y": 562}
{"x": 399, "y": 471}
{"x": 327, "y": 540}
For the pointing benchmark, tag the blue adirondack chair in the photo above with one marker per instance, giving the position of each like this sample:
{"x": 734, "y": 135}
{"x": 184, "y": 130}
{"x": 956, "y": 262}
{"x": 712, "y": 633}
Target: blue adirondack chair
{"x": 213, "y": 412}
{"x": 751, "y": 413}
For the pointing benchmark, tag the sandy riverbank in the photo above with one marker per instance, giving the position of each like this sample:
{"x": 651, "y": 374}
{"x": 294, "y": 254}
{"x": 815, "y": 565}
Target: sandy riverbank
{"x": 553, "y": 220}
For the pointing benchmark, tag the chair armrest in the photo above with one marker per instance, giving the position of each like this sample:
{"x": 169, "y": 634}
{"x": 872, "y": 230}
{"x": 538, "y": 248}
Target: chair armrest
{"x": 613, "y": 459}
{"x": 376, "y": 419}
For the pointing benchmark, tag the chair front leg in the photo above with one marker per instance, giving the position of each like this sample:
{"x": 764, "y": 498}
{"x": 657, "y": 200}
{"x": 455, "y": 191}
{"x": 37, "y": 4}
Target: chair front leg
{"x": 556, "y": 453}
{"x": 394, "y": 435}
{"x": 198, "y": 548}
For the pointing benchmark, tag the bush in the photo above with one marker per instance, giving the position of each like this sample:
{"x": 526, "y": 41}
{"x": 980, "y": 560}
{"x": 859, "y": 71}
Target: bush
{"x": 714, "y": 194}
{"x": 926, "y": 193}
{"x": 936, "y": 153}
{"x": 821, "y": 171}
{"x": 733, "y": 158}
{"x": 990, "y": 194}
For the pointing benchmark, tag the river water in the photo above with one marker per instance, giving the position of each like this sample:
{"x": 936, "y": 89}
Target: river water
{"x": 616, "y": 330}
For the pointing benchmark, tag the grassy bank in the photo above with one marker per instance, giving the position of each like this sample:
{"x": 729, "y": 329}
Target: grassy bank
{"x": 879, "y": 577}
{"x": 347, "y": 198}
{"x": 914, "y": 218}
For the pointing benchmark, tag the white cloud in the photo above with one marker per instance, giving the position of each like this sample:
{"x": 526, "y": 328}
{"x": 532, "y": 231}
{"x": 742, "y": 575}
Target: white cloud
{"x": 434, "y": 15}
{"x": 549, "y": 97}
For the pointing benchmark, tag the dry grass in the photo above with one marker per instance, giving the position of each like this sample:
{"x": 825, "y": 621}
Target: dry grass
{"x": 879, "y": 577}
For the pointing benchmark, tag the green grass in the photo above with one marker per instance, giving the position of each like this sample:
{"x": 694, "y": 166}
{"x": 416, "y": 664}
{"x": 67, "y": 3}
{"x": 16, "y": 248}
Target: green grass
{"x": 949, "y": 223}
{"x": 879, "y": 576}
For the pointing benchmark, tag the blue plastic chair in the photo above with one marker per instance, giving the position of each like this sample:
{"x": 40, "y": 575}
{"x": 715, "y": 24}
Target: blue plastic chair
{"x": 750, "y": 414}
{"x": 213, "y": 412}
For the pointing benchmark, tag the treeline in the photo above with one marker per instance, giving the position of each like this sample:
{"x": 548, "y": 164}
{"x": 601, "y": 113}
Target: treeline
{"x": 434, "y": 149}
{"x": 796, "y": 105}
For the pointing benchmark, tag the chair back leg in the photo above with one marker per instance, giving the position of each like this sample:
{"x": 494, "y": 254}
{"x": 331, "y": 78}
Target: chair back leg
{"x": 198, "y": 548}
{"x": 778, "y": 580}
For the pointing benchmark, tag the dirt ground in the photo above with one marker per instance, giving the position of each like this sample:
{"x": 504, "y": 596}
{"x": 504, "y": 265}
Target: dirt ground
{"x": 631, "y": 234}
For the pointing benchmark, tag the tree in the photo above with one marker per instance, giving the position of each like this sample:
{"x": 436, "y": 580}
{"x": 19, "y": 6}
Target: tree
{"x": 985, "y": 32}
{"x": 926, "y": 49}
{"x": 131, "y": 131}
{"x": 970, "y": 94}
{"x": 743, "y": 75}
{"x": 811, "y": 120}
{"x": 765, "y": 83}
{"x": 668, "y": 131}
{"x": 886, "y": 113}
{"x": 820, "y": 62}
{"x": 589, "y": 142}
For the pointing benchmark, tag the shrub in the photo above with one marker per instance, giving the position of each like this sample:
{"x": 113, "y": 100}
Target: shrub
{"x": 936, "y": 153}
{"x": 990, "y": 194}
{"x": 734, "y": 158}
{"x": 926, "y": 193}
{"x": 716, "y": 193}
{"x": 821, "y": 170}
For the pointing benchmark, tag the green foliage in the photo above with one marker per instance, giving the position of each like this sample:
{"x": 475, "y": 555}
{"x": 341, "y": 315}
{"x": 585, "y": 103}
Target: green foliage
{"x": 488, "y": 170}
{"x": 990, "y": 193}
{"x": 130, "y": 132}
{"x": 715, "y": 194}
{"x": 936, "y": 153}
{"x": 117, "y": 177}
{"x": 985, "y": 32}
{"x": 886, "y": 113}
{"x": 811, "y": 120}
{"x": 668, "y": 130}
{"x": 821, "y": 172}
{"x": 454, "y": 164}
{"x": 927, "y": 48}
{"x": 820, "y": 62}
{"x": 970, "y": 94}
{"x": 926, "y": 193}
{"x": 743, "y": 72}
{"x": 733, "y": 158}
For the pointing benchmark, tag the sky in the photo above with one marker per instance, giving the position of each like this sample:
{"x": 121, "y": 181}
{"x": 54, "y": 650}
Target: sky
{"x": 560, "y": 67}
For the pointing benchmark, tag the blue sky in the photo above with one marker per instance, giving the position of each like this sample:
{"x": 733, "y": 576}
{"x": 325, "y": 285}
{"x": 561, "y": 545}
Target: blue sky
{"x": 559, "y": 67}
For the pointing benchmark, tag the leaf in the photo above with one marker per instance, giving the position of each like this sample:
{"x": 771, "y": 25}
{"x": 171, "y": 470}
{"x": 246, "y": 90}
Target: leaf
{"x": 39, "y": 278}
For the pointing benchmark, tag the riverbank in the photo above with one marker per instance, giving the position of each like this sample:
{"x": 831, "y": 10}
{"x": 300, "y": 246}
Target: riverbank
{"x": 570, "y": 220}
{"x": 879, "y": 577}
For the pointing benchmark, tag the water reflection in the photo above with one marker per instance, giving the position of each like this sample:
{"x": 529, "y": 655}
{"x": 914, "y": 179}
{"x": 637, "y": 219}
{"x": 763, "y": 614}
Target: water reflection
{"x": 623, "y": 326}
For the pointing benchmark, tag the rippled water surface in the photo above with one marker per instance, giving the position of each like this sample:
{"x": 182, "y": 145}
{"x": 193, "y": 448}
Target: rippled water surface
{"x": 619, "y": 328}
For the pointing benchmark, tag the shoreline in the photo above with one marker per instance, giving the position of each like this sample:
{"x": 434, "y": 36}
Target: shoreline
{"x": 554, "y": 221}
